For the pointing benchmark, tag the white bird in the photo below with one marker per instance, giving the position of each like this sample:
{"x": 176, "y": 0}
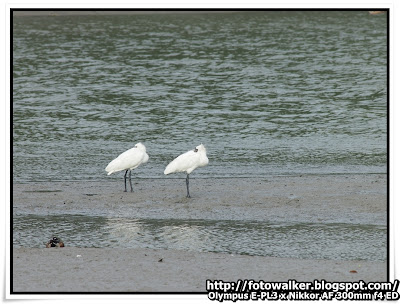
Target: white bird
{"x": 188, "y": 162}
{"x": 128, "y": 160}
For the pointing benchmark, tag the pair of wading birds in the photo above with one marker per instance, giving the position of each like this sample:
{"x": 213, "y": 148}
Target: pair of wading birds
{"x": 137, "y": 155}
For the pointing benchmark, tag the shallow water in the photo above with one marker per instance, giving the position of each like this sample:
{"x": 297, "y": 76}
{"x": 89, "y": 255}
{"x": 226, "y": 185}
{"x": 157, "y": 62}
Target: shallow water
{"x": 294, "y": 240}
{"x": 267, "y": 93}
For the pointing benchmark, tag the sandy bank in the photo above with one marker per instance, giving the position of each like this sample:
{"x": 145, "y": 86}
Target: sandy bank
{"x": 354, "y": 199}
{"x": 145, "y": 270}
{"x": 322, "y": 199}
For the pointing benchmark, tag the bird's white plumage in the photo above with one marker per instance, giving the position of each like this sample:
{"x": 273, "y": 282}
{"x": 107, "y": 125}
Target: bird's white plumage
{"x": 129, "y": 159}
{"x": 188, "y": 161}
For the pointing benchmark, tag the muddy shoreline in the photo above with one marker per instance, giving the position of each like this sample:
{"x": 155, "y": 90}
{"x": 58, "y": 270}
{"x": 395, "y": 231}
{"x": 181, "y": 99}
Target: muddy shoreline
{"x": 347, "y": 199}
{"x": 145, "y": 270}
{"x": 354, "y": 199}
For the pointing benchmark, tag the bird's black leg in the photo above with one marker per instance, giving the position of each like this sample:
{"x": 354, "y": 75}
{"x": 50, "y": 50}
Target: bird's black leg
{"x": 125, "y": 179}
{"x": 130, "y": 180}
{"x": 187, "y": 186}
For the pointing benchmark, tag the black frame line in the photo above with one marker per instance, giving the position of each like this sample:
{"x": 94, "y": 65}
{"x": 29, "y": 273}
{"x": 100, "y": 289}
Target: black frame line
{"x": 179, "y": 10}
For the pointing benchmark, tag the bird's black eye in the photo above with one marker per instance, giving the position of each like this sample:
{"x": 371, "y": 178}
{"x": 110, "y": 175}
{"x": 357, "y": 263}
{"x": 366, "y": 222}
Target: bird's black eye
{"x": 196, "y": 150}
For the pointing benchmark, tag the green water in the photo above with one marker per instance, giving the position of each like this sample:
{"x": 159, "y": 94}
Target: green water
{"x": 268, "y": 93}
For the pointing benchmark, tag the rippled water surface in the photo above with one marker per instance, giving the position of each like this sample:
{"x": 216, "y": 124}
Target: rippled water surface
{"x": 266, "y": 92}
{"x": 295, "y": 240}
